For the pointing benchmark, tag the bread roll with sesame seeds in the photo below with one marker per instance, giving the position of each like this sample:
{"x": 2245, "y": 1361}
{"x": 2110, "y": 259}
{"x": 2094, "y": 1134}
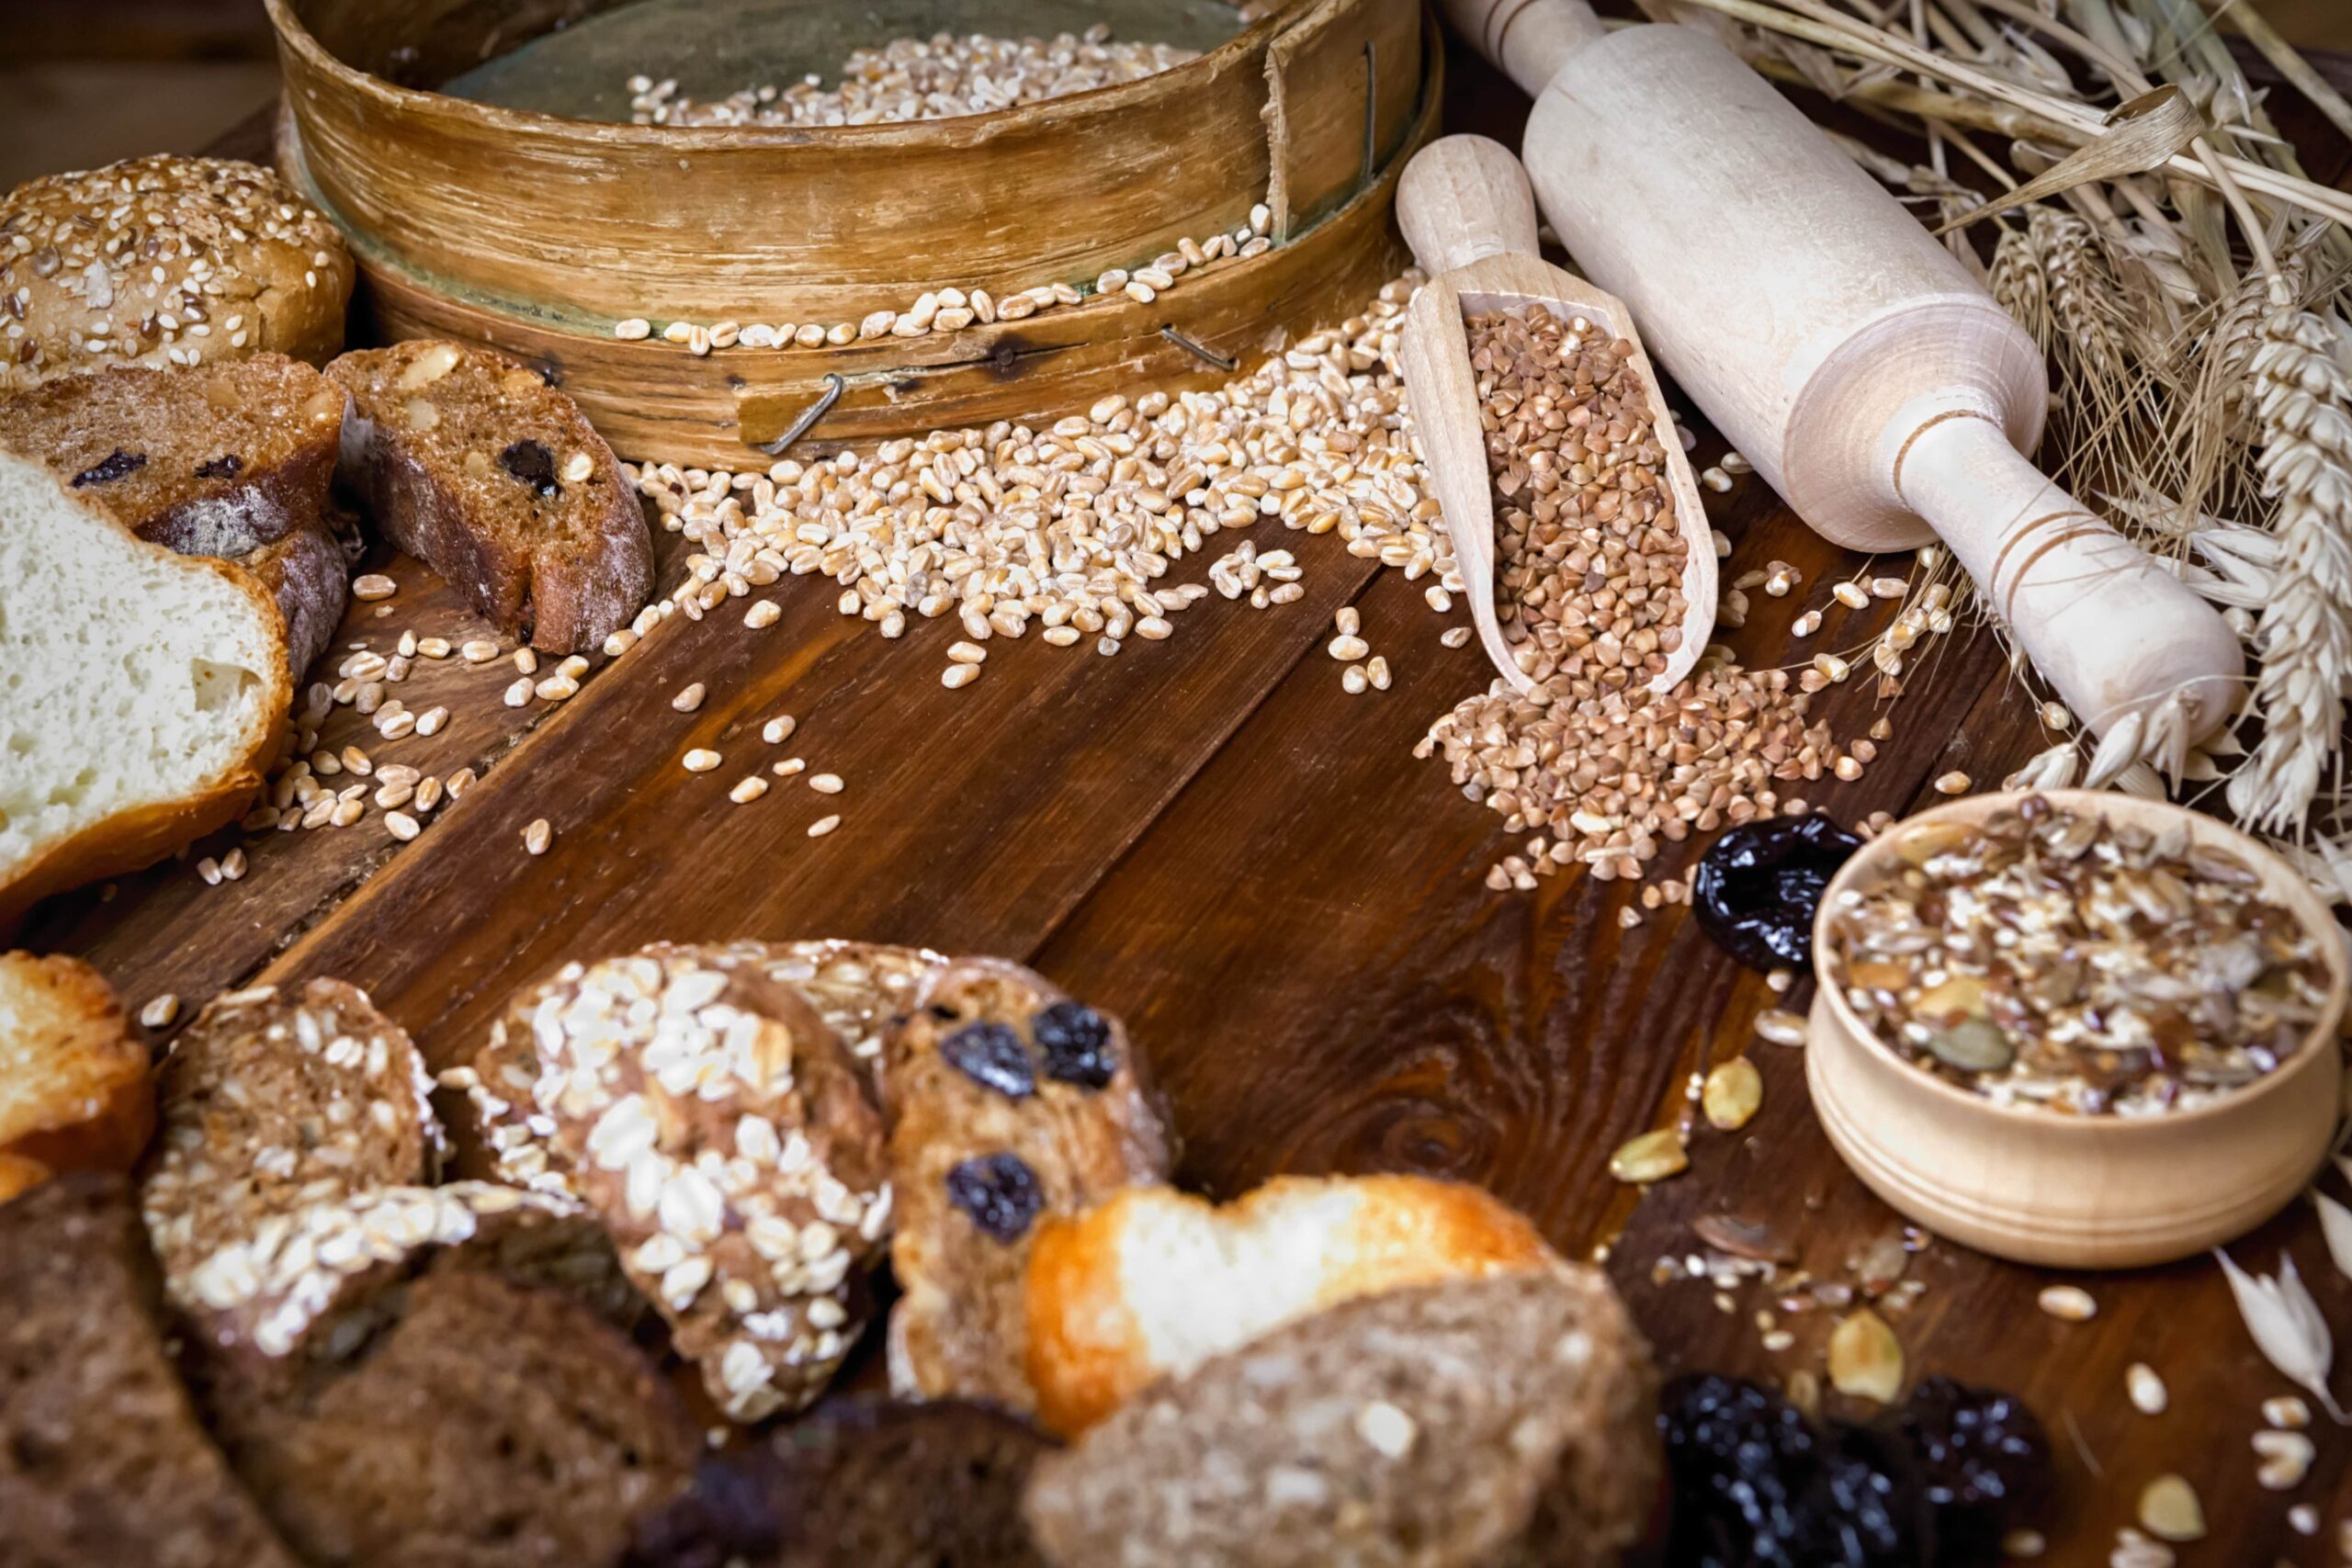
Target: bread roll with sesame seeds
{"x": 723, "y": 1132}
{"x": 165, "y": 261}
{"x": 1009, "y": 1103}
{"x": 75, "y": 1092}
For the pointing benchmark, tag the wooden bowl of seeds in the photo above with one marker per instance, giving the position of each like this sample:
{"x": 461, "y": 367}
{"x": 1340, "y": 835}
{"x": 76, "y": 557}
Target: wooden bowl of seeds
{"x": 2076, "y": 1029}
{"x": 709, "y": 217}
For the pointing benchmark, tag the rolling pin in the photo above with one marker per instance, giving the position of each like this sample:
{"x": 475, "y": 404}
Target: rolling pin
{"x": 1872, "y": 382}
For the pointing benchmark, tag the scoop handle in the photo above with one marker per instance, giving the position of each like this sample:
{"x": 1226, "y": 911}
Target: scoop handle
{"x": 1529, "y": 39}
{"x": 1464, "y": 199}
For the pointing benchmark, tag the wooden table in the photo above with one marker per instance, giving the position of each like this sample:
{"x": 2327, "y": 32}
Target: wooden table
{"x": 1208, "y": 835}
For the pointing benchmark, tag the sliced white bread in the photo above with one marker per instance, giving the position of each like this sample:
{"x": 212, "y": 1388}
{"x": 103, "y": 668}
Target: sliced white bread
{"x": 75, "y": 1093}
{"x": 1155, "y": 1282}
{"x": 141, "y": 692}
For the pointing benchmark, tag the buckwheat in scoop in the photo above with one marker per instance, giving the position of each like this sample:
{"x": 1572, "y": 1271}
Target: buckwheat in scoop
{"x": 2054, "y": 957}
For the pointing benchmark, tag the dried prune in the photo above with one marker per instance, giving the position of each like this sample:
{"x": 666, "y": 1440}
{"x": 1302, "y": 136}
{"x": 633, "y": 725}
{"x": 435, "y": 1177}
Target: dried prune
{"x": 1077, "y": 1042}
{"x": 1977, "y": 1449}
{"x": 534, "y": 465}
{"x": 992, "y": 1056}
{"x": 1739, "y": 1456}
{"x": 999, "y": 1191}
{"x": 1759, "y": 886}
{"x": 112, "y": 466}
{"x": 227, "y": 466}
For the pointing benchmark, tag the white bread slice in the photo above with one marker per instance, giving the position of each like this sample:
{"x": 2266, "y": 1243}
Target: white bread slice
{"x": 1155, "y": 1282}
{"x": 75, "y": 1093}
{"x": 141, "y": 692}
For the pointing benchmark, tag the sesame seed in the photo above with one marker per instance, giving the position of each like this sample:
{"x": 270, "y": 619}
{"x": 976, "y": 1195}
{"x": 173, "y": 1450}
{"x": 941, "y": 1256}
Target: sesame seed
{"x": 822, "y": 826}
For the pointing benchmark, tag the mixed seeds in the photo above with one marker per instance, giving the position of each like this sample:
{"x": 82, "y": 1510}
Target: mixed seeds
{"x": 2052, "y": 957}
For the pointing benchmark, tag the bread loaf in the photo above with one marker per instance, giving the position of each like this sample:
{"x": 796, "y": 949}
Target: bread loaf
{"x": 1155, "y": 1282}
{"x": 1010, "y": 1103}
{"x": 724, "y": 1135}
{"x": 106, "y": 762}
{"x": 482, "y": 1424}
{"x": 473, "y": 464}
{"x": 165, "y": 261}
{"x": 74, "y": 1091}
{"x": 862, "y": 1484}
{"x": 1507, "y": 1422}
{"x": 102, "y": 1461}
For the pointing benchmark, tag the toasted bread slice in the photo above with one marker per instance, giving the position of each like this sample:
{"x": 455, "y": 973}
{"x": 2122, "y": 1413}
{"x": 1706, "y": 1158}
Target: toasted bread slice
{"x": 141, "y": 692}
{"x": 75, "y": 1093}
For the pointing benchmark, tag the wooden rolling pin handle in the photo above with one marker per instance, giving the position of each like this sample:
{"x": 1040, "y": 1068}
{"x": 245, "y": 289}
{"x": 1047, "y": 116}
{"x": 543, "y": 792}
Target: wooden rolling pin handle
{"x": 2112, "y": 631}
{"x": 1530, "y": 40}
{"x": 1464, "y": 199}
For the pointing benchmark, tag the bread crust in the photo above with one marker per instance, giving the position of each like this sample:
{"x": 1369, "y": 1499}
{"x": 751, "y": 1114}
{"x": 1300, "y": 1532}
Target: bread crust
{"x": 309, "y": 581}
{"x": 287, "y": 280}
{"x": 1088, "y": 1351}
{"x": 101, "y": 1106}
{"x": 143, "y": 835}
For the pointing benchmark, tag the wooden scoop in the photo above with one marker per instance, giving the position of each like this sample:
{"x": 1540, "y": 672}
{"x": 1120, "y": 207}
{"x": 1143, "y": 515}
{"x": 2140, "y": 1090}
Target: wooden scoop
{"x": 1469, "y": 214}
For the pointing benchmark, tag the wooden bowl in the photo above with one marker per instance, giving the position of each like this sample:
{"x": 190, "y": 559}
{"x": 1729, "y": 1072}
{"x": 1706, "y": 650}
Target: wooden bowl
{"x": 2038, "y": 1186}
{"x": 536, "y": 232}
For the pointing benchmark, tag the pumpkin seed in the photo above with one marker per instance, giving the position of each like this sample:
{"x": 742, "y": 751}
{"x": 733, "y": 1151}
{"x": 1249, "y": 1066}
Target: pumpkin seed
{"x": 1973, "y": 1046}
{"x": 1731, "y": 1095}
{"x": 1865, "y": 1358}
{"x": 1652, "y": 1156}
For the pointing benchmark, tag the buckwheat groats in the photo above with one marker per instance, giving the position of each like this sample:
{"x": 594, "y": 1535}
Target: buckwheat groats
{"x": 2053, "y": 957}
{"x": 1008, "y": 1101}
{"x": 165, "y": 261}
{"x": 475, "y": 465}
{"x": 274, "y": 1102}
{"x": 723, "y": 1132}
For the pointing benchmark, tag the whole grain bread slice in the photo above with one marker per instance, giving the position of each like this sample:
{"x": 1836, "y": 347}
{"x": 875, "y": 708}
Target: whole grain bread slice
{"x": 102, "y": 1460}
{"x": 1504, "y": 1422}
{"x": 876, "y": 1484}
{"x": 483, "y": 1424}
{"x": 475, "y": 465}
{"x": 75, "y": 1093}
{"x": 204, "y": 460}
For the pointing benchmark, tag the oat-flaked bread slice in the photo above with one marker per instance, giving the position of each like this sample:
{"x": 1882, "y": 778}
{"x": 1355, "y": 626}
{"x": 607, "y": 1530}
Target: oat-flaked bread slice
{"x": 473, "y": 463}
{"x": 102, "y": 1460}
{"x": 485, "y": 1424}
{"x": 723, "y": 1132}
{"x": 1507, "y": 1422}
{"x": 165, "y": 261}
{"x": 141, "y": 692}
{"x": 858, "y": 987}
{"x": 874, "y": 1484}
{"x": 273, "y": 1103}
{"x": 206, "y": 459}
{"x": 75, "y": 1093}
{"x": 1009, "y": 1102}
{"x": 1155, "y": 1282}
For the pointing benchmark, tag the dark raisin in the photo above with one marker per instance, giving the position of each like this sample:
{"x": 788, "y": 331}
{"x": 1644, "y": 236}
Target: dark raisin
{"x": 1739, "y": 1456}
{"x": 1077, "y": 1042}
{"x": 228, "y": 465}
{"x": 534, "y": 465}
{"x": 1982, "y": 1453}
{"x": 992, "y": 1056}
{"x": 999, "y": 1191}
{"x": 1758, "y": 887}
{"x": 111, "y": 468}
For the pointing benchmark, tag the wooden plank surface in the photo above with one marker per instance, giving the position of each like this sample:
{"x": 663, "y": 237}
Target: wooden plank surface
{"x": 1210, "y": 837}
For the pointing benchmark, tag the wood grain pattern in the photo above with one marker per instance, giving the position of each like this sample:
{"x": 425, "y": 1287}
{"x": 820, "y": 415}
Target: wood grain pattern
{"x": 1210, "y": 837}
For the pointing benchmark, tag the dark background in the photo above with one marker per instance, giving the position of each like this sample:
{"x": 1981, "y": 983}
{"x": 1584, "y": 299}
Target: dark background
{"x": 84, "y": 82}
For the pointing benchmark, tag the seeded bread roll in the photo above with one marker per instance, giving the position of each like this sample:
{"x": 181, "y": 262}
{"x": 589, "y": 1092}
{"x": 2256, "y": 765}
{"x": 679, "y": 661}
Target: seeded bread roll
{"x": 483, "y": 1425}
{"x": 473, "y": 464}
{"x": 1509, "y": 1422}
{"x": 273, "y": 1103}
{"x": 1155, "y": 1282}
{"x": 723, "y": 1132}
{"x": 871, "y": 1482}
{"x": 1009, "y": 1103}
{"x": 102, "y": 1460}
{"x": 108, "y": 762}
{"x": 165, "y": 261}
{"x": 74, "y": 1089}
{"x": 207, "y": 460}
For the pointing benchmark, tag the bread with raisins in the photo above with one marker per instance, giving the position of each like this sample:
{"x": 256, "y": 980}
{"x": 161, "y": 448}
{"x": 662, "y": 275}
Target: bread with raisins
{"x": 1008, "y": 1101}
{"x": 473, "y": 463}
